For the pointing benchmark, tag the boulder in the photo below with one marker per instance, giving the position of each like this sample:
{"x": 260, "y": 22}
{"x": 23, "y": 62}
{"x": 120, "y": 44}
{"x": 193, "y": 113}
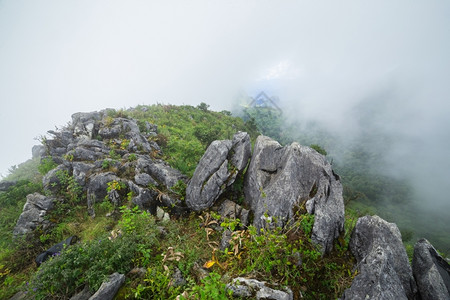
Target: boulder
{"x": 52, "y": 180}
{"x": 33, "y": 213}
{"x": 279, "y": 180}
{"x": 254, "y": 289}
{"x": 38, "y": 151}
{"x": 81, "y": 171}
{"x": 383, "y": 265}
{"x": 230, "y": 210}
{"x": 159, "y": 170}
{"x": 217, "y": 170}
{"x": 144, "y": 198}
{"x": 97, "y": 188}
{"x": 109, "y": 288}
{"x": 86, "y": 124}
{"x": 431, "y": 271}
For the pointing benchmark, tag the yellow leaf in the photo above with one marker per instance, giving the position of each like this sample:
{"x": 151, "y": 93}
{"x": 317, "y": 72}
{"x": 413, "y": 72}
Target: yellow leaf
{"x": 209, "y": 264}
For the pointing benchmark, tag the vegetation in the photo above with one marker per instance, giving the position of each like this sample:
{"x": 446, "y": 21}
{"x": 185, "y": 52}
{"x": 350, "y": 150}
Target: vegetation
{"x": 128, "y": 240}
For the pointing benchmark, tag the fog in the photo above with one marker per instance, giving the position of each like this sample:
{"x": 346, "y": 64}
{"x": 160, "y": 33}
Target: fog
{"x": 333, "y": 62}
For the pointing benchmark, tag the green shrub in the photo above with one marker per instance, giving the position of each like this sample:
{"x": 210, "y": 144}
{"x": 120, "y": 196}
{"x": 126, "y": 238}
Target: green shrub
{"x": 46, "y": 165}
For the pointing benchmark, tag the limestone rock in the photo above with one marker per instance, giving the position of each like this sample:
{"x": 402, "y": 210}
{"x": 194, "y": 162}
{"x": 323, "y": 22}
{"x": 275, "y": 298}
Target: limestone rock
{"x": 109, "y": 288}
{"x": 81, "y": 171}
{"x": 280, "y": 179}
{"x": 51, "y": 181}
{"x": 86, "y": 124}
{"x": 229, "y": 209}
{"x": 85, "y": 294}
{"x": 217, "y": 170}
{"x": 38, "y": 151}
{"x": 97, "y": 188}
{"x": 431, "y": 271}
{"x": 252, "y": 288}
{"x": 384, "y": 270}
{"x": 159, "y": 170}
{"x": 33, "y": 213}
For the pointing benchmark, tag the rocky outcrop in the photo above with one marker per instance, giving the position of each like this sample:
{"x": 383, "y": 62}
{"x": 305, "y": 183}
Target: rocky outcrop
{"x": 33, "y": 213}
{"x": 254, "y": 289}
{"x": 280, "y": 180}
{"x": 97, "y": 189}
{"x": 52, "y": 180}
{"x": 37, "y": 151}
{"x": 217, "y": 169}
{"x": 384, "y": 270}
{"x": 159, "y": 171}
{"x": 431, "y": 271}
{"x": 109, "y": 288}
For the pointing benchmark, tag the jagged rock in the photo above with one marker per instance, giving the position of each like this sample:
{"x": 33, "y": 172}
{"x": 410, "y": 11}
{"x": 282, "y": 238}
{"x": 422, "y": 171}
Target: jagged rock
{"x": 33, "y": 213}
{"x": 217, "y": 170}
{"x": 109, "y": 288}
{"x": 177, "y": 278}
{"x": 85, "y": 294}
{"x": 80, "y": 172}
{"x": 37, "y": 151}
{"x": 280, "y": 179}
{"x": 160, "y": 171}
{"x": 384, "y": 270}
{"x": 144, "y": 198}
{"x": 431, "y": 271}
{"x": 144, "y": 179}
{"x": 225, "y": 240}
{"x": 86, "y": 124}
{"x": 87, "y": 150}
{"x": 52, "y": 180}
{"x": 97, "y": 188}
{"x": 5, "y": 185}
{"x": 229, "y": 209}
{"x": 128, "y": 129}
{"x": 252, "y": 288}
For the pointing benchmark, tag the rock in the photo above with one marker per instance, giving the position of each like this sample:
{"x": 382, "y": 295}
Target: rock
{"x": 160, "y": 171}
{"x": 225, "y": 241}
{"x": 86, "y": 124}
{"x": 280, "y": 179}
{"x": 85, "y": 294}
{"x": 52, "y": 180}
{"x": 431, "y": 271}
{"x": 217, "y": 170}
{"x": 144, "y": 198}
{"x": 19, "y": 296}
{"x": 144, "y": 179}
{"x": 33, "y": 213}
{"x": 97, "y": 188}
{"x": 80, "y": 172}
{"x": 177, "y": 278}
{"x": 252, "y": 288}
{"x": 230, "y": 210}
{"x": 109, "y": 288}
{"x": 87, "y": 150}
{"x": 384, "y": 270}
{"x": 37, "y": 151}
{"x": 5, "y": 185}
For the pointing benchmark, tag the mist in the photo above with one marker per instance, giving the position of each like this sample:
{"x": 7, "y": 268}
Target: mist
{"x": 354, "y": 67}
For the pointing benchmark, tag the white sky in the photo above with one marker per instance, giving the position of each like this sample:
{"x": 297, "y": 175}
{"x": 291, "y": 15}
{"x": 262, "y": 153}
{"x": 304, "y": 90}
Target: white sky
{"x": 321, "y": 57}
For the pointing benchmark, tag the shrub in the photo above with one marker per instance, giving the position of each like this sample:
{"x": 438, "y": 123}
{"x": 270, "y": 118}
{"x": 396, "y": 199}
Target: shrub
{"x": 46, "y": 165}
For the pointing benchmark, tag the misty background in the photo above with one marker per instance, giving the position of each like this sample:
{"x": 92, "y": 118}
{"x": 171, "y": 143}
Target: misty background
{"x": 358, "y": 68}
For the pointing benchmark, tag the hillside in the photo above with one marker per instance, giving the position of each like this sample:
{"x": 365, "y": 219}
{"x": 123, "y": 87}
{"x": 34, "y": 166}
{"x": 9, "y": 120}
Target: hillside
{"x": 171, "y": 202}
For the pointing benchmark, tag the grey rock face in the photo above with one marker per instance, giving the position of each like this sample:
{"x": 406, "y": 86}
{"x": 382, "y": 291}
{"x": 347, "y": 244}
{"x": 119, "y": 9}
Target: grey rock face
{"x": 86, "y": 124}
{"x": 51, "y": 181}
{"x": 431, "y": 271}
{"x": 244, "y": 287}
{"x": 279, "y": 179}
{"x": 229, "y": 209}
{"x": 85, "y": 294}
{"x": 38, "y": 151}
{"x": 109, "y": 288}
{"x": 384, "y": 270}
{"x": 159, "y": 170}
{"x": 217, "y": 170}
{"x": 97, "y": 188}
{"x": 144, "y": 198}
{"x": 33, "y": 213}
